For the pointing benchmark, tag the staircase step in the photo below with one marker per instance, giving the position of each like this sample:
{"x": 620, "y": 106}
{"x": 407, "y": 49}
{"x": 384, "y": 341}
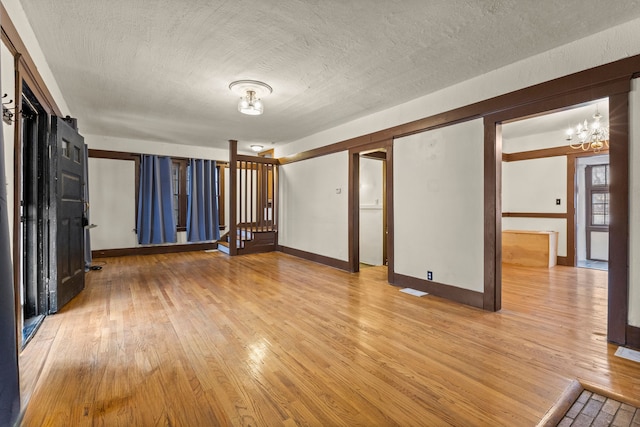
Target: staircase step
{"x": 223, "y": 247}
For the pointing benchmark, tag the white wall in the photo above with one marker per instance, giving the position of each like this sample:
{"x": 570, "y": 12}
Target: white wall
{"x": 600, "y": 245}
{"x": 112, "y": 203}
{"x": 371, "y": 204}
{"x": 439, "y": 205}
{"x": 634, "y": 219}
{"x": 314, "y": 213}
{"x": 8, "y": 78}
{"x": 535, "y": 141}
{"x": 533, "y": 186}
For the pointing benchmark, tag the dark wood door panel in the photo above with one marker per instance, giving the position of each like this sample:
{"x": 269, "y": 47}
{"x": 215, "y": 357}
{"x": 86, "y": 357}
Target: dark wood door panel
{"x": 68, "y": 277}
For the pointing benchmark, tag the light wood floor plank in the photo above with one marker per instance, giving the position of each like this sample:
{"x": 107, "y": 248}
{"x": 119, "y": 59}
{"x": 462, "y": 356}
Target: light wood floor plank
{"x": 203, "y": 339}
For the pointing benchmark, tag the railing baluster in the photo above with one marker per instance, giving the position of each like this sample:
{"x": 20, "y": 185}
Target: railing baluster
{"x": 260, "y": 195}
{"x": 251, "y": 198}
{"x": 274, "y": 196}
{"x": 246, "y": 201}
{"x": 240, "y": 213}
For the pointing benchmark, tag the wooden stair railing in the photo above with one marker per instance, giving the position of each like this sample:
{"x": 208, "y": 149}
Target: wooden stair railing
{"x": 253, "y": 191}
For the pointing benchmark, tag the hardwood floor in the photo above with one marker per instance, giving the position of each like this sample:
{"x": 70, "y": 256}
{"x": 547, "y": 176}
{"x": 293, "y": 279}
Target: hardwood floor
{"x": 202, "y": 339}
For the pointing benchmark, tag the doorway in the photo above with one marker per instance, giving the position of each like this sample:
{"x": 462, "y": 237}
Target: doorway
{"x": 33, "y": 210}
{"x": 543, "y": 179}
{"x": 371, "y": 207}
{"x": 544, "y": 191}
{"x": 372, "y": 189}
{"x": 592, "y": 212}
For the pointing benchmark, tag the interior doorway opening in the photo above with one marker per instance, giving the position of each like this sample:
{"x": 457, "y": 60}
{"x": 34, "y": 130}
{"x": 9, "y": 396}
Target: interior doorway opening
{"x": 545, "y": 201}
{"x": 592, "y": 212}
{"x": 372, "y": 208}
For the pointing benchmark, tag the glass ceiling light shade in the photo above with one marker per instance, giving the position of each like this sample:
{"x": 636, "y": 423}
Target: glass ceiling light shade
{"x": 594, "y": 136}
{"x": 251, "y": 93}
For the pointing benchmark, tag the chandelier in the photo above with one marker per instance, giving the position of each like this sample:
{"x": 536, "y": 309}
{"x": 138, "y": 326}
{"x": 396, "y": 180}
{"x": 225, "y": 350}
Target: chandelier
{"x": 251, "y": 92}
{"x": 594, "y": 136}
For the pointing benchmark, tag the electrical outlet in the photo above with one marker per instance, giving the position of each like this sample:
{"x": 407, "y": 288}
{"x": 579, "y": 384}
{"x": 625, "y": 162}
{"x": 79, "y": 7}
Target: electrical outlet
{"x": 558, "y": 201}
{"x": 429, "y": 275}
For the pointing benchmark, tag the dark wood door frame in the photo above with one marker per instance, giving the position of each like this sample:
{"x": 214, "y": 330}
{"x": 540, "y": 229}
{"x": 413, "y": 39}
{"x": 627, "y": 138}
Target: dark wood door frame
{"x": 354, "y": 204}
{"x": 618, "y": 93}
{"x": 34, "y": 198}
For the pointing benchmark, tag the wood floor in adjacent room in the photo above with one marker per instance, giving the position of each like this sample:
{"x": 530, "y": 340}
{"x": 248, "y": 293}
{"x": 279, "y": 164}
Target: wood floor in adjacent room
{"x": 202, "y": 339}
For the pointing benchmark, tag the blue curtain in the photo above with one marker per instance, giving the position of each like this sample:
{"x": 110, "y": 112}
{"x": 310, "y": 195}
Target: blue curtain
{"x": 202, "y": 213}
{"x": 155, "y": 201}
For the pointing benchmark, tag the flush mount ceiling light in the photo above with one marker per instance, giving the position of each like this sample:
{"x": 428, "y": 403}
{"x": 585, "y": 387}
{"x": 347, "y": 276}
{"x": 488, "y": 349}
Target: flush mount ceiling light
{"x": 256, "y": 147}
{"x": 251, "y": 93}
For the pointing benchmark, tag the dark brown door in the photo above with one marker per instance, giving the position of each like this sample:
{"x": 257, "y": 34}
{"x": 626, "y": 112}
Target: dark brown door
{"x": 67, "y": 278}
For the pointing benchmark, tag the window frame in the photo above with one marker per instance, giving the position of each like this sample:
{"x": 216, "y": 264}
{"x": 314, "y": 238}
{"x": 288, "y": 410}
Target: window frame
{"x": 183, "y": 192}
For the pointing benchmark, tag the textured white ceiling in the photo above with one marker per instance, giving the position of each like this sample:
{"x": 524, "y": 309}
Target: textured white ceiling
{"x": 160, "y": 69}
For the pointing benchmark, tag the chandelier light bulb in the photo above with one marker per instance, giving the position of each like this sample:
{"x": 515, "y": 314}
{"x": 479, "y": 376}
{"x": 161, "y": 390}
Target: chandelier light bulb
{"x": 594, "y": 136}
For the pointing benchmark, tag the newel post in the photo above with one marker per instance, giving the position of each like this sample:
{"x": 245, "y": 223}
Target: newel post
{"x": 233, "y": 197}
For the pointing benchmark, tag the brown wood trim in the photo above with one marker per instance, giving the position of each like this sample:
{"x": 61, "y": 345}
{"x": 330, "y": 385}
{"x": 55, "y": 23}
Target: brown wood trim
{"x": 320, "y": 259}
{"x": 385, "y": 211}
{"x": 269, "y": 153}
{"x": 115, "y": 155}
{"x": 549, "y": 152}
{"x": 233, "y": 197}
{"x": 453, "y": 293}
{"x": 389, "y": 217}
{"x": 15, "y": 44}
{"x": 255, "y": 159}
{"x": 593, "y": 83}
{"x": 534, "y": 215}
{"x": 619, "y": 217}
{"x": 556, "y": 413}
{"x": 376, "y": 155}
{"x": 354, "y": 211}
{"x": 125, "y": 155}
{"x": 559, "y": 100}
{"x": 563, "y": 260}
{"x": 154, "y": 250}
{"x": 571, "y": 198}
{"x": 492, "y": 299}
{"x": 633, "y": 336}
